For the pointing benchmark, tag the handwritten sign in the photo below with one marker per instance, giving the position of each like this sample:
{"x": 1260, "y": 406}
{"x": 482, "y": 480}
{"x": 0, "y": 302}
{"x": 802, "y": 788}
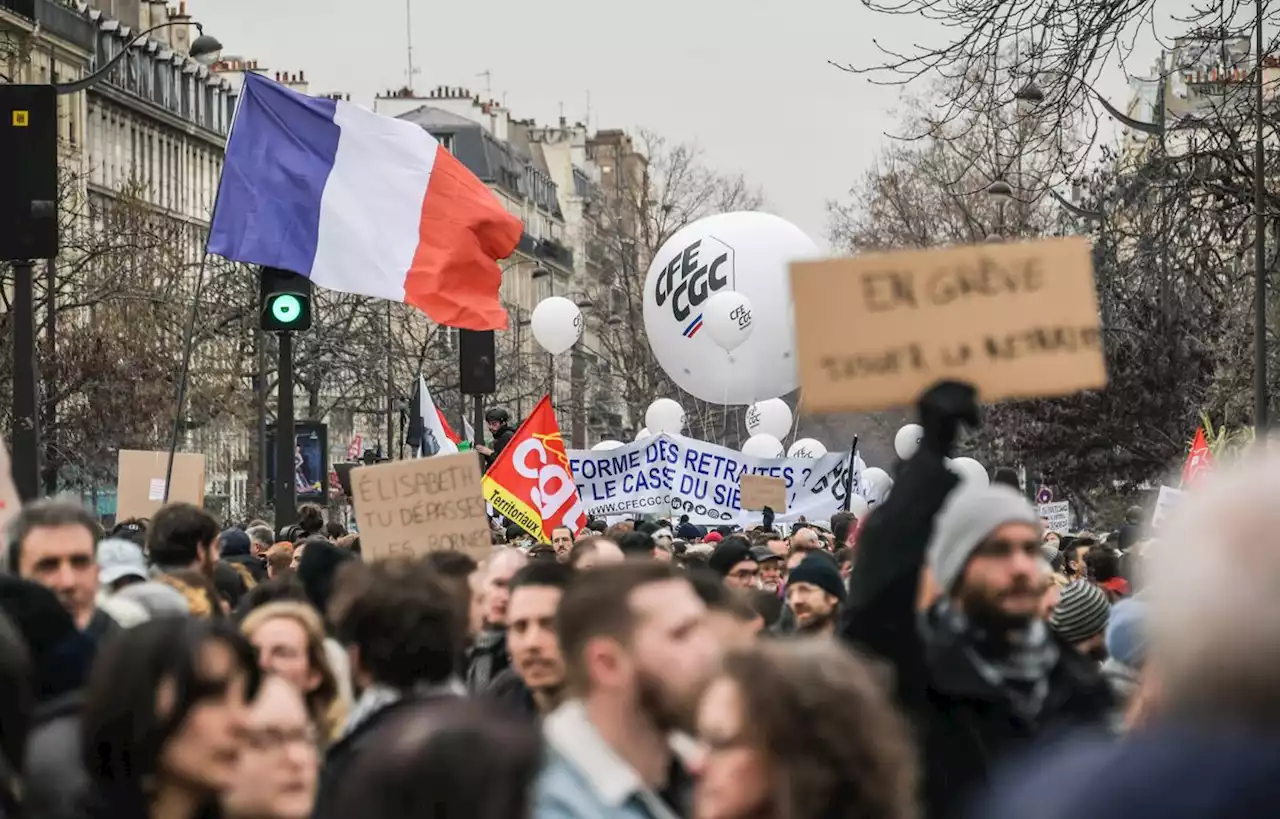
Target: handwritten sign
{"x": 1058, "y": 514}
{"x": 1166, "y": 502}
{"x": 1014, "y": 320}
{"x": 410, "y": 508}
{"x": 759, "y": 491}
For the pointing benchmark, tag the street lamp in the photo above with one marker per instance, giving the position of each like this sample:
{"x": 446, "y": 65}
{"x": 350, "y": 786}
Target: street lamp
{"x": 35, "y": 195}
{"x": 1000, "y": 191}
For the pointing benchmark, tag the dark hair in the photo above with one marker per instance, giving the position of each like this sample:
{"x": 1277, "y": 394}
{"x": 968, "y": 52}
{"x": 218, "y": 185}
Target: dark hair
{"x": 17, "y": 697}
{"x": 497, "y": 537}
{"x": 277, "y": 589}
{"x": 334, "y": 530}
{"x": 177, "y": 533}
{"x": 261, "y": 534}
{"x": 1103, "y": 563}
{"x": 836, "y": 748}
{"x": 45, "y": 514}
{"x": 841, "y": 523}
{"x": 768, "y": 605}
{"x": 543, "y": 553}
{"x": 449, "y": 563}
{"x": 647, "y": 527}
{"x": 636, "y": 544}
{"x": 1007, "y": 476}
{"x": 598, "y": 604}
{"x": 514, "y": 532}
{"x": 317, "y": 566}
{"x": 693, "y": 560}
{"x": 597, "y": 525}
{"x": 542, "y": 573}
{"x": 310, "y": 519}
{"x": 845, "y": 555}
{"x": 122, "y": 735}
{"x": 402, "y": 617}
{"x": 719, "y": 597}
{"x": 61, "y": 655}
{"x": 426, "y": 756}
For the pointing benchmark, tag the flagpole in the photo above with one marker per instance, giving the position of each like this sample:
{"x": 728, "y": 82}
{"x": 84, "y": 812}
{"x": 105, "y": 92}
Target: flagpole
{"x": 181, "y": 397}
{"x": 848, "y": 478}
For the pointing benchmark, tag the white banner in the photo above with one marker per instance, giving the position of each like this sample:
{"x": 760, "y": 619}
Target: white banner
{"x": 673, "y": 475}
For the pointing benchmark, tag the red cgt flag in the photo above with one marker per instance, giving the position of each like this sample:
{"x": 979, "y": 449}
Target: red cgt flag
{"x": 1198, "y": 460}
{"x": 530, "y": 484}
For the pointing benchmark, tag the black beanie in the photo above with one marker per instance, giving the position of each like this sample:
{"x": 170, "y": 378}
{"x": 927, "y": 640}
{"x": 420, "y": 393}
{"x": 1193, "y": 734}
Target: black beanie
{"x": 317, "y": 569}
{"x": 729, "y": 553}
{"x": 817, "y": 570}
{"x": 60, "y": 653}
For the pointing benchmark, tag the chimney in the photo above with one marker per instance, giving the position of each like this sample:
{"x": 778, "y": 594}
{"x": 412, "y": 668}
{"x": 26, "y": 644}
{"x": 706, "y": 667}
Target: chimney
{"x": 302, "y": 76}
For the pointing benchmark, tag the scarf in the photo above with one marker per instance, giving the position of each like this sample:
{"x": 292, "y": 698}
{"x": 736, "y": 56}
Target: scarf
{"x": 1017, "y": 663}
{"x": 483, "y": 658}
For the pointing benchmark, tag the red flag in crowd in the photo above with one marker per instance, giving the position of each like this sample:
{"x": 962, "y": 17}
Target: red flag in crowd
{"x": 531, "y": 484}
{"x": 1198, "y": 460}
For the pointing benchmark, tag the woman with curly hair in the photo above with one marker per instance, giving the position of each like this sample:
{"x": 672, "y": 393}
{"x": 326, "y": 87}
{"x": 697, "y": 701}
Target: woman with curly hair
{"x": 801, "y": 730}
{"x": 289, "y": 637}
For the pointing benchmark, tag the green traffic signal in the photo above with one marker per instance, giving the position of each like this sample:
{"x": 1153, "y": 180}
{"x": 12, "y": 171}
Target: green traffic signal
{"x": 286, "y": 308}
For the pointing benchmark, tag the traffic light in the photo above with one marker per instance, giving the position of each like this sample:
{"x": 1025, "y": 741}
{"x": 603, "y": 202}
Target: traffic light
{"x": 28, "y": 171}
{"x": 285, "y": 301}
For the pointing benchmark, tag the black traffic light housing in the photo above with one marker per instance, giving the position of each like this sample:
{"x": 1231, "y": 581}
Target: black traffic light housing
{"x": 28, "y": 172}
{"x": 284, "y": 301}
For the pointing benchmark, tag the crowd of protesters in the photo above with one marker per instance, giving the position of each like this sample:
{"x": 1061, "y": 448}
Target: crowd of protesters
{"x": 943, "y": 657}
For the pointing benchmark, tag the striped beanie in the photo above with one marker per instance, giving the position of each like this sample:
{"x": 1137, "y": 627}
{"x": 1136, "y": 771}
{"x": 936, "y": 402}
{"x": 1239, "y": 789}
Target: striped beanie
{"x": 1081, "y": 613}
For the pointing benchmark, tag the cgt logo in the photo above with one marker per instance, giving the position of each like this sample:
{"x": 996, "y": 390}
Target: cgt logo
{"x": 541, "y": 458}
{"x": 690, "y": 278}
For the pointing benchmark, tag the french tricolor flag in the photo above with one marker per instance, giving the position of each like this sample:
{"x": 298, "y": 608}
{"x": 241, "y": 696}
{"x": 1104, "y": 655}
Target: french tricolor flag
{"x": 360, "y": 203}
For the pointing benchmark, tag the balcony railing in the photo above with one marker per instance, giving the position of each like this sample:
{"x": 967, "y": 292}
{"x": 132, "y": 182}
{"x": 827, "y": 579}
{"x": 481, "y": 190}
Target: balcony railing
{"x": 57, "y": 19}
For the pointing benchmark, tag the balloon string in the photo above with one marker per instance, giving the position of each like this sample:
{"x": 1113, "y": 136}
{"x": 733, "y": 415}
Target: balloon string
{"x": 724, "y": 406}
{"x": 795, "y": 422}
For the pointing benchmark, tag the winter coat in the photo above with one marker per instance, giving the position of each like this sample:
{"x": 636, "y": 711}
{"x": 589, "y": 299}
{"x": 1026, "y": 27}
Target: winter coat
{"x": 507, "y": 688}
{"x": 964, "y": 725}
{"x": 55, "y": 783}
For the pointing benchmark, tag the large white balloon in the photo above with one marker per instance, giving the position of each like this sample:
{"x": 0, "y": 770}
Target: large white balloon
{"x": 664, "y": 415}
{"x": 807, "y": 448}
{"x": 763, "y": 446}
{"x": 876, "y": 484}
{"x": 642, "y": 434}
{"x": 970, "y": 471}
{"x": 745, "y": 252}
{"x": 557, "y": 324}
{"x": 907, "y": 441}
{"x": 728, "y": 319}
{"x": 605, "y": 446}
{"x": 859, "y": 506}
{"x": 772, "y": 417}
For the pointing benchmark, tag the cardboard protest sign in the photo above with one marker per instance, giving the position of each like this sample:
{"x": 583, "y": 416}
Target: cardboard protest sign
{"x": 409, "y": 508}
{"x": 1014, "y": 320}
{"x": 759, "y": 491}
{"x": 140, "y": 481}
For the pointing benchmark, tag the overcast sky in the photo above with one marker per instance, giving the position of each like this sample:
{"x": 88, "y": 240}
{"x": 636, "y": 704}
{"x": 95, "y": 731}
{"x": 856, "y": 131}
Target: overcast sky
{"x": 749, "y": 81}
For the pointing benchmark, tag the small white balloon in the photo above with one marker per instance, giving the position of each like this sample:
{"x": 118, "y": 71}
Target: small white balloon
{"x": 605, "y": 446}
{"x": 642, "y": 434}
{"x": 807, "y": 448}
{"x": 763, "y": 446}
{"x": 858, "y": 506}
{"x": 557, "y": 324}
{"x": 772, "y": 417}
{"x": 907, "y": 441}
{"x": 664, "y": 415}
{"x": 970, "y": 471}
{"x": 728, "y": 319}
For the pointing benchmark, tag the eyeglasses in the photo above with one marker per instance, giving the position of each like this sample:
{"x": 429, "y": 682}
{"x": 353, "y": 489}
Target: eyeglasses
{"x": 742, "y": 574}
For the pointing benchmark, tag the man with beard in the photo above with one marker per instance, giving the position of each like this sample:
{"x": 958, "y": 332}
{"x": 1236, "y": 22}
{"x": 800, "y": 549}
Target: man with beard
{"x": 534, "y": 684}
{"x": 771, "y": 564}
{"x": 815, "y": 591}
{"x": 183, "y": 536}
{"x": 979, "y": 674}
{"x": 637, "y": 651}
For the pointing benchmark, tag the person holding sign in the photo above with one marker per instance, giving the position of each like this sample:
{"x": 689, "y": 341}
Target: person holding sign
{"x": 979, "y": 674}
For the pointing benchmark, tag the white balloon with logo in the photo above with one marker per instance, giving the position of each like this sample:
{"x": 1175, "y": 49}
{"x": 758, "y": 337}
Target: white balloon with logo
{"x": 642, "y": 434}
{"x": 728, "y": 319}
{"x": 748, "y": 253}
{"x": 763, "y": 445}
{"x": 605, "y": 446}
{"x": 772, "y": 417}
{"x": 664, "y": 415}
{"x": 807, "y": 448}
{"x": 970, "y": 471}
{"x": 907, "y": 441}
{"x": 859, "y": 506}
{"x": 557, "y": 324}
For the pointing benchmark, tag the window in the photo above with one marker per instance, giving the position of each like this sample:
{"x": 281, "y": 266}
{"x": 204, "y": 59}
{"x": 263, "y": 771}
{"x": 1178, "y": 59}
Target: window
{"x": 446, "y": 141}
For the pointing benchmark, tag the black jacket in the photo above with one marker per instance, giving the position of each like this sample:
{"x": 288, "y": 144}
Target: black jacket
{"x": 963, "y": 724}
{"x": 500, "y": 440}
{"x": 508, "y": 689}
{"x": 257, "y": 569}
{"x": 55, "y": 783}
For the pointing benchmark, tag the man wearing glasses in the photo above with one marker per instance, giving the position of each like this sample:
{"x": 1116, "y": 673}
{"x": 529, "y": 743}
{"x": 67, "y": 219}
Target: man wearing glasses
{"x": 733, "y": 561}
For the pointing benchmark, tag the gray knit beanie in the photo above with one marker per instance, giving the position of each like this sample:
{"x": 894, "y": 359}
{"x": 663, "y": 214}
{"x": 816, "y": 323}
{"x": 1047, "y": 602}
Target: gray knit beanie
{"x": 970, "y": 514}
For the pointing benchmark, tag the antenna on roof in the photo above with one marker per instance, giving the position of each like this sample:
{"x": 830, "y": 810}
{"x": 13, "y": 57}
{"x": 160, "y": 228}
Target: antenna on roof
{"x": 488, "y": 81}
{"x": 408, "y": 33}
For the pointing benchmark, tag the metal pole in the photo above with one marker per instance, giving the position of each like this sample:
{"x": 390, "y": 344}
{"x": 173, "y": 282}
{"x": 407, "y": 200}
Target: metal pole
{"x": 1259, "y": 246}
{"x": 286, "y": 487}
{"x": 391, "y": 389}
{"x": 477, "y": 419}
{"x": 181, "y": 398}
{"x": 26, "y": 385}
{"x": 50, "y": 421}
